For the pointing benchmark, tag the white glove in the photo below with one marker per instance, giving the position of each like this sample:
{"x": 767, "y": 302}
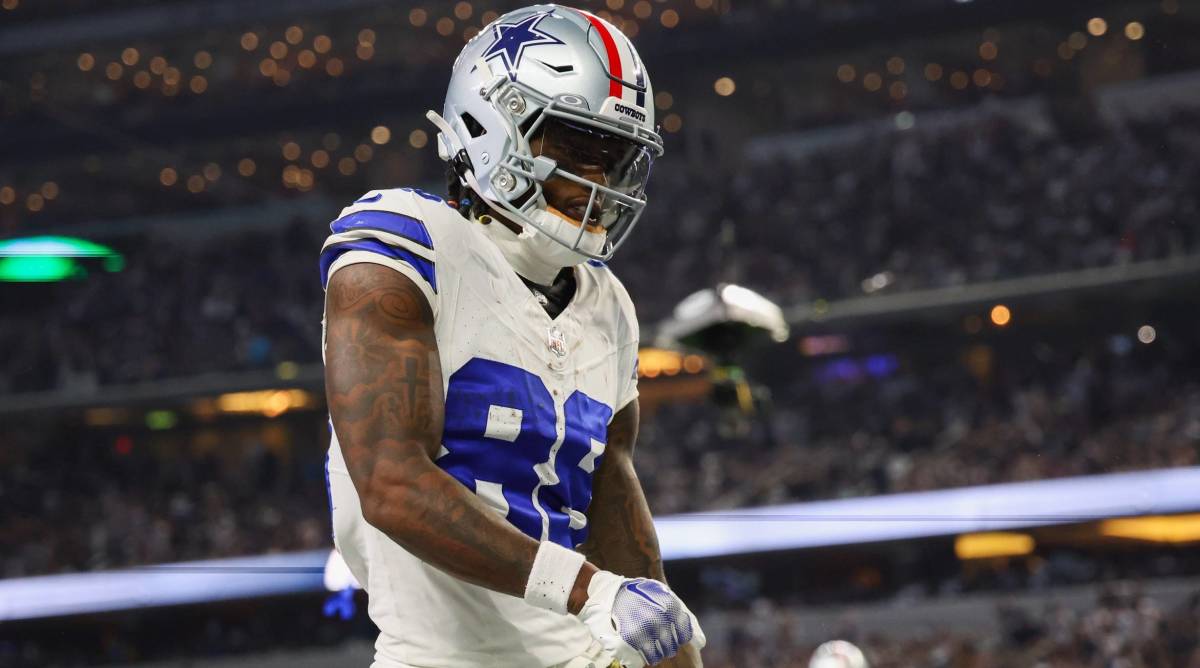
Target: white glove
{"x": 638, "y": 621}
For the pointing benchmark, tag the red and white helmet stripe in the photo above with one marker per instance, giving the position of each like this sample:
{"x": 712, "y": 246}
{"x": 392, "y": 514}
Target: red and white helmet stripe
{"x": 623, "y": 62}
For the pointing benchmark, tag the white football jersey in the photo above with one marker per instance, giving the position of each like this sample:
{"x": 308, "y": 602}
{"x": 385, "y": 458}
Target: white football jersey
{"x": 528, "y": 401}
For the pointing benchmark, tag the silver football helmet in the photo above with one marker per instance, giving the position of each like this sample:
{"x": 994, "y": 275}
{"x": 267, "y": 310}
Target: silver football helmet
{"x": 536, "y": 94}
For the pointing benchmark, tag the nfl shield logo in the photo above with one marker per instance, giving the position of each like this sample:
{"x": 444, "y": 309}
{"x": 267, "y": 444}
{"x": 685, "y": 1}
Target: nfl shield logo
{"x": 557, "y": 342}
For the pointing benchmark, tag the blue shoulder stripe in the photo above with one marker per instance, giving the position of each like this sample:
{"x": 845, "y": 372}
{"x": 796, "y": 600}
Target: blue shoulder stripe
{"x": 384, "y": 221}
{"x": 330, "y": 254}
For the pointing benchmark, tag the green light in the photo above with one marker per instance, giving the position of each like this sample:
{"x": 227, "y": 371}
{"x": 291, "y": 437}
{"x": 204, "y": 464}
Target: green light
{"x": 287, "y": 370}
{"x": 52, "y": 258}
{"x": 53, "y": 246}
{"x": 159, "y": 420}
{"x": 37, "y": 269}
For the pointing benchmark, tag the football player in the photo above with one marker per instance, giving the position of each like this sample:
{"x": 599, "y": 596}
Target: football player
{"x": 481, "y": 371}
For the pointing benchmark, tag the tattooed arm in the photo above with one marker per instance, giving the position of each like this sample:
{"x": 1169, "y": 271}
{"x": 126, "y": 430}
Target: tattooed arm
{"x": 383, "y": 381}
{"x": 621, "y": 536}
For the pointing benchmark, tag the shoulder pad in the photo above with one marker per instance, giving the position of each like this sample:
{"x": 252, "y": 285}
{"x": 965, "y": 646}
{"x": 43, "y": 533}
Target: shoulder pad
{"x": 405, "y": 201}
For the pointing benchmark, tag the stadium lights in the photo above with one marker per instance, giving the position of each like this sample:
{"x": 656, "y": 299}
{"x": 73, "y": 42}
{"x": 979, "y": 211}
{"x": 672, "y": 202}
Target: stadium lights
{"x": 166, "y": 584}
{"x": 104, "y": 417}
{"x": 947, "y": 512}
{"x": 654, "y": 362}
{"x": 52, "y": 258}
{"x": 270, "y": 403}
{"x": 884, "y": 278}
{"x": 829, "y": 344}
{"x": 993, "y": 544}
{"x": 1001, "y": 315}
{"x": 36, "y": 269}
{"x": 1155, "y": 529}
{"x": 381, "y": 135}
{"x": 160, "y": 420}
{"x": 287, "y": 370}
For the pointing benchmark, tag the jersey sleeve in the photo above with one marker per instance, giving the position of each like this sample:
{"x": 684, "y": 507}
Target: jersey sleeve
{"x": 387, "y": 229}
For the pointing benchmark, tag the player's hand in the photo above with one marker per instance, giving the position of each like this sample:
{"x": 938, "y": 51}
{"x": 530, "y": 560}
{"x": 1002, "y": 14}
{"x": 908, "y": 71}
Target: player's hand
{"x": 638, "y": 621}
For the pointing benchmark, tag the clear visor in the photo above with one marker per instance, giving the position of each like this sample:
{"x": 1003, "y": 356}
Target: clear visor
{"x": 585, "y": 157}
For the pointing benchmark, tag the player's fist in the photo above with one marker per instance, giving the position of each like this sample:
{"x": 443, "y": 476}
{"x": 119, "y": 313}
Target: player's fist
{"x": 638, "y": 621}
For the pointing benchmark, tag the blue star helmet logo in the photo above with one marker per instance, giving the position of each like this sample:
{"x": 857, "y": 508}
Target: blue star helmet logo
{"x": 513, "y": 38}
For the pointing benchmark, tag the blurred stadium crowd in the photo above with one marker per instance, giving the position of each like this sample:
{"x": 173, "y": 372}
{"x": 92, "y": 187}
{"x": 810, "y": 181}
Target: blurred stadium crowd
{"x": 1124, "y": 628}
{"x": 253, "y": 301}
{"x": 179, "y": 309}
{"x": 924, "y": 424}
{"x": 990, "y": 198}
{"x": 93, "y": 502}
{"x": 1038, "y": 414}
{"x": 239, "y": 112}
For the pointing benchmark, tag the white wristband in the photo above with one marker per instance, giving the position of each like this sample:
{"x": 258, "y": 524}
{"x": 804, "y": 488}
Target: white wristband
{"x": 552, "y": 577}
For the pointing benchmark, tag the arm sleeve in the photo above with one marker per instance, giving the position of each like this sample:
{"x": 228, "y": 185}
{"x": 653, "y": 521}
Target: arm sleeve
{"x": 386, "y": 238}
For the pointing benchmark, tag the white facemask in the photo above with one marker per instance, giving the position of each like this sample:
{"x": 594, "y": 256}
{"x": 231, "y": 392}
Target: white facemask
{"x": 535, "y": 254}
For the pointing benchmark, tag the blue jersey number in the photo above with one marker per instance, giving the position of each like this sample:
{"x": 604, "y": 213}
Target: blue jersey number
{"x": 502, "y": 428}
